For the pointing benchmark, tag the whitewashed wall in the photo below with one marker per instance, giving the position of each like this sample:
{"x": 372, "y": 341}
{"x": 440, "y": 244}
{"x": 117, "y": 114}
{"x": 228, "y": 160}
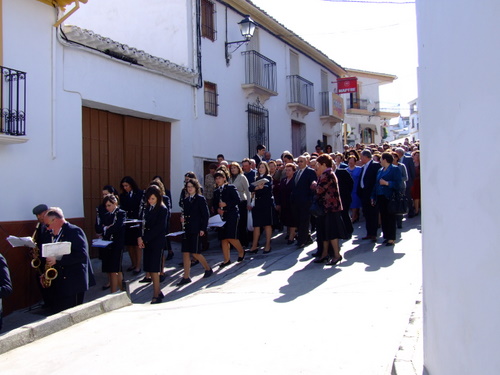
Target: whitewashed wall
{"x": 458, "y": 92}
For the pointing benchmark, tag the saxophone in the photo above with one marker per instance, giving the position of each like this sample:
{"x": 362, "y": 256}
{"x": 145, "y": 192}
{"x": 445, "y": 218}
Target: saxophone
{"x": 36, "y": 261}
{"x": 49, "y": 275}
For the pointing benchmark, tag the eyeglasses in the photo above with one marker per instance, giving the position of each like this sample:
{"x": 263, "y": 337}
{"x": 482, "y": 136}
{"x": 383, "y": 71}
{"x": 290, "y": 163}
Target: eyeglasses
{"x": 49, "y": 224}
{"x": 279, "y": 165}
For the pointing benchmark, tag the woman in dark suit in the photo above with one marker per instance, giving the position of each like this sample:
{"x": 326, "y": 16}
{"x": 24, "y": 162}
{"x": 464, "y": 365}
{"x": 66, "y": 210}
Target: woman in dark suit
{"x": 263, "y": 211}
{"x": 153, "y": 238}
{"x": 130, "y": 202}
{"x": 112, "y": 227}
{"x": 389, "y": 180}
{"x": 225, "y": 203}
{"x": 195, "y": 222}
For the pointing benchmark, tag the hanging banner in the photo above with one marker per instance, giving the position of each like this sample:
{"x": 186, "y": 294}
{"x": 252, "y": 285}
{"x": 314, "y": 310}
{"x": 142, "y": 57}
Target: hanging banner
{"x": 337, "y": 106}
{"x": 347, "y": 85}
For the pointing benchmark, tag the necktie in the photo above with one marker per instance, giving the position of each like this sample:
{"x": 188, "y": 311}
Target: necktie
{"x": 299, "y": 173}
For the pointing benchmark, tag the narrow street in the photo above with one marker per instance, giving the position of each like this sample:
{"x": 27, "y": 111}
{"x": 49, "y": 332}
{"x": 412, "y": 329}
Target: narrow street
{"x": 272, "y": 314}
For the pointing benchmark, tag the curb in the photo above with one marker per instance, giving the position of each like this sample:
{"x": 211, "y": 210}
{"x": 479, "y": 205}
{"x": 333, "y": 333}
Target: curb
{"x": 57, "y": 322}
{"x": 409, "y": 358}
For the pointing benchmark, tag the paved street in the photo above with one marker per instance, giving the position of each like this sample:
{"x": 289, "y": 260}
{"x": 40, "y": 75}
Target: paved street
{"x": 272, "y": 314}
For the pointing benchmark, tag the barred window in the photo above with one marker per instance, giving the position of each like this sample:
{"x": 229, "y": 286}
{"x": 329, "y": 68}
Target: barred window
{"x": 208, "y": 29}
{"x": 210, "y": 98}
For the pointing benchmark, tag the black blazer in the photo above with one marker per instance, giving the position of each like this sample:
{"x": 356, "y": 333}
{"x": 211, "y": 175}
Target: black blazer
{"x": 228, "y": 195}
{"x": 131, "y": 205}
{"x": 75, "y": 273}
{"x": 155, "y": 226}
{"x": 369, "y": 181}
{"x": 116, "y": 231}
{"x": 302, "y": 192}
{"x": 195, "y": 214}
{"x": 346, "y": 184}
{"x": 5, "y": 283}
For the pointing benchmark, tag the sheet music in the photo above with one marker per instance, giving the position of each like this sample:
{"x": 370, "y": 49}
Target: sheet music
{"x": 99, "y": 242}
{"x": 57, "y": 249}
{"x": 216, "y": 221}
{"x": 21, "y": 241}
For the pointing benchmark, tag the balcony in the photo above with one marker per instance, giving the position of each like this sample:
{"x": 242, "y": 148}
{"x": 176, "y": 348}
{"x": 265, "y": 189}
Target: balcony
{"x": 13, "y": 102}
{"x": 260, "y": 76}
{"x": 301, "y": 95}
{"x": 332, "y": 107}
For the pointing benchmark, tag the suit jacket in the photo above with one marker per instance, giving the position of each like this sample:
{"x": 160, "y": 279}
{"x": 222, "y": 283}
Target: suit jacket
{"x": 116, "y": 230}
{"x": 75, "y": 273}
{"x": 302, "y": 192}
{"x": 5, "y": 283}
{"x": 410, "y": 169}
{"x": 257, "y": 159}
{"x": 393, "y": 176}
{"x": 155, "y": 226}
{"x": 251, "y": 176}
{"x": 346, "y": 184}
{"x": 196, "y": 214}
{"x": 229, "y": 195}
{"x": 131, "y": 205}
{"x": 369, "y": 180}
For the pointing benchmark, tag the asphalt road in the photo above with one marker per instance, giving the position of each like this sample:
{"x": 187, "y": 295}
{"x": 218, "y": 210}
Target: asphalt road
{"x": 271, "y": 314}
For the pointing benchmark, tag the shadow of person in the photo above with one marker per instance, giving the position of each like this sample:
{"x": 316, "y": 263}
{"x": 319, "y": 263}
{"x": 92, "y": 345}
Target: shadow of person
{"x": 383, "y": 257}
{"x": 305, "y": 280}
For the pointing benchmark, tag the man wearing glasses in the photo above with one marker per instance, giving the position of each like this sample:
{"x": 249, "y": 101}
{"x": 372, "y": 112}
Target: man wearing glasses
{"x": 74, "y": 269}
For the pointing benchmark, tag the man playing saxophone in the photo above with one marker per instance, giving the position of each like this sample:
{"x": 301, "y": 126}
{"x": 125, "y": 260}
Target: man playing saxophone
{"x": 74, "y": 269}
{"x": 40, "y": 237}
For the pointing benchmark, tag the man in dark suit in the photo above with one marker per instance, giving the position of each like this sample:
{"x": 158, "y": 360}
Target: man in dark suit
{"x": 5, "y": 283}
{"x": 366, "y": 183}
{"x": 301, "y": 199}
{"x": 74, "y": 269}
{"x": 248, "y": 171}
{"x": 261, "y": 150}
{"x": 410, "y": 172}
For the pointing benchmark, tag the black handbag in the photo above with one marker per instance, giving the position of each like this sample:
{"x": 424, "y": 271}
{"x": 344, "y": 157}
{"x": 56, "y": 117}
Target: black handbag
{"x": 316, "y": 208}
{"x": 398, "y": 204}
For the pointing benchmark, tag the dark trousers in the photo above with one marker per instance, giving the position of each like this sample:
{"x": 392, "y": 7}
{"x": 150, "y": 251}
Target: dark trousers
{"x": 411, "y": 209}
{"x": 370, "y": 213}
{"x": 346, "y": 218}
{"x": 388, "y": 219}
{"x": 66, "y": 302}
{"x": 242, "y": 223}
{"x": 303, "y": 218}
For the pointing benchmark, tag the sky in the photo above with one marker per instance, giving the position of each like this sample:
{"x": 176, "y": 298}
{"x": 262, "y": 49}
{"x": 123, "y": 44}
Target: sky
{"x": 372, "y": 35}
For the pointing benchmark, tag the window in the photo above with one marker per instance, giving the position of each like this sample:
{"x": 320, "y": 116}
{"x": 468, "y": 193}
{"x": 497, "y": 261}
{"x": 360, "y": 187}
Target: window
{"x": 210, "y": 98}
{"x": 258, "y": 126}
{"x": 208, "y": 29}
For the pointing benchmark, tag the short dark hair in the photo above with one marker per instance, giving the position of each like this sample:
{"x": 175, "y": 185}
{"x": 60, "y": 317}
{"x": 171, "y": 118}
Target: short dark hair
{"x": 366, "y": 153}
{"x": 110, "y": 198}
{"x": 220, "y": 156}
{"x": 387, "y": 156}
{"x": 129, "y": 180}
{"x": 153, "y": 190}
{"x": 261, "y": 147}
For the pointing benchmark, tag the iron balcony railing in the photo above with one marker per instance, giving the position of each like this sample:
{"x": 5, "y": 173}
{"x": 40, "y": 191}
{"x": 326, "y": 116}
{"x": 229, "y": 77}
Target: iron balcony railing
{"x": 325, "y": 102}
{"x": 357, "y": 103}
{"x": 301, "y": 91}
{"x": 13, "y": 101}
{"x": 259, "y": 70}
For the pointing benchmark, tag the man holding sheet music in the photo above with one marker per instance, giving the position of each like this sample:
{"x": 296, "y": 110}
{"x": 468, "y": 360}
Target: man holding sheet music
{"x": 74, "y": 269}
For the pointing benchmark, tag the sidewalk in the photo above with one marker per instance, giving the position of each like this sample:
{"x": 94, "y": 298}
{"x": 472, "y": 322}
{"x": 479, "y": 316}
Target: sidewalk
{"x": 242, "y": 278}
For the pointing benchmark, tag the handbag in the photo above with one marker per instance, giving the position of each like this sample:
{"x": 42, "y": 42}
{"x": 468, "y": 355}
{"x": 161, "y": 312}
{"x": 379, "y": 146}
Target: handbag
{"x": 398, "y": 204}
{"x": 317, "y": 208}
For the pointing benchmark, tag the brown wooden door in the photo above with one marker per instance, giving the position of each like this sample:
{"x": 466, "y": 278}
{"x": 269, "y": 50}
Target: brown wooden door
{"x": 114, "y": 146}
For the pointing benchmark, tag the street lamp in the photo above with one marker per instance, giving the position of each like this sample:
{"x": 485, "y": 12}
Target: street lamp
{"x": 247, "y": 28}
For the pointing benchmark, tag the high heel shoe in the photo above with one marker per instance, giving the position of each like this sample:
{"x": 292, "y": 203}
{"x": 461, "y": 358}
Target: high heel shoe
{"x": 240, "y": 259}
{"x": 268, "y": 251}
{"x": 158, "y": 299}
{"x": 333, "y": 262}
{"x": 289, "y": 242}
{"x": 321, "y": 260}
{"x": 222, "y": 265}
{"x": 253, "y": 251}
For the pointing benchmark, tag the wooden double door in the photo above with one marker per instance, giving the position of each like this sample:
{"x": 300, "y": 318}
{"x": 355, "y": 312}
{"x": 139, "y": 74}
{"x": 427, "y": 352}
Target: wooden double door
{"x": 115, "y": 146}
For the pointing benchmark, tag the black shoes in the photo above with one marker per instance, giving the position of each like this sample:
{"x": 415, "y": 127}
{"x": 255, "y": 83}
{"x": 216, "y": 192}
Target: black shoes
{"x": 163, "y": 277}
{"x": 136, "y": 272}
{"x": 321, "y": 260}
{"x": 268, "y": 251}
{"x": 208, "y": 273}
{"x": 222, "y": 265}
{"x": 158, "y": 299}
{"x": 170, "y": 255}
{"x": 146, "y": 280}
{"x": 240, "y": 259}
{"x": 333, "y": 262}
{"x": 289, "y": 242}
{"x": 253, "y": 251}
{"x": 184, "y": 281}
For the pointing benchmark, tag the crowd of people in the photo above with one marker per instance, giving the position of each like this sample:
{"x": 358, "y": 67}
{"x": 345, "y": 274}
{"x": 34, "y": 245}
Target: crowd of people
{"x": 322, "y": 192}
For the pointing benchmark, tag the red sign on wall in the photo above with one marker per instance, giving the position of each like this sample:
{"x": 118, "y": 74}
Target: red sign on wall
{"x": 347, "y": 85}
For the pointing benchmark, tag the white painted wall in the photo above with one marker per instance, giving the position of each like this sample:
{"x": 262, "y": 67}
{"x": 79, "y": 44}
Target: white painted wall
{"x": 458, "y": 90}
{"x": 157, "y": 27}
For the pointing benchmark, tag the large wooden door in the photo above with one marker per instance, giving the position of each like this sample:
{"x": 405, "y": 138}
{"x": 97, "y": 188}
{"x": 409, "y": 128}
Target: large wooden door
{"x": 114, "y": 146}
